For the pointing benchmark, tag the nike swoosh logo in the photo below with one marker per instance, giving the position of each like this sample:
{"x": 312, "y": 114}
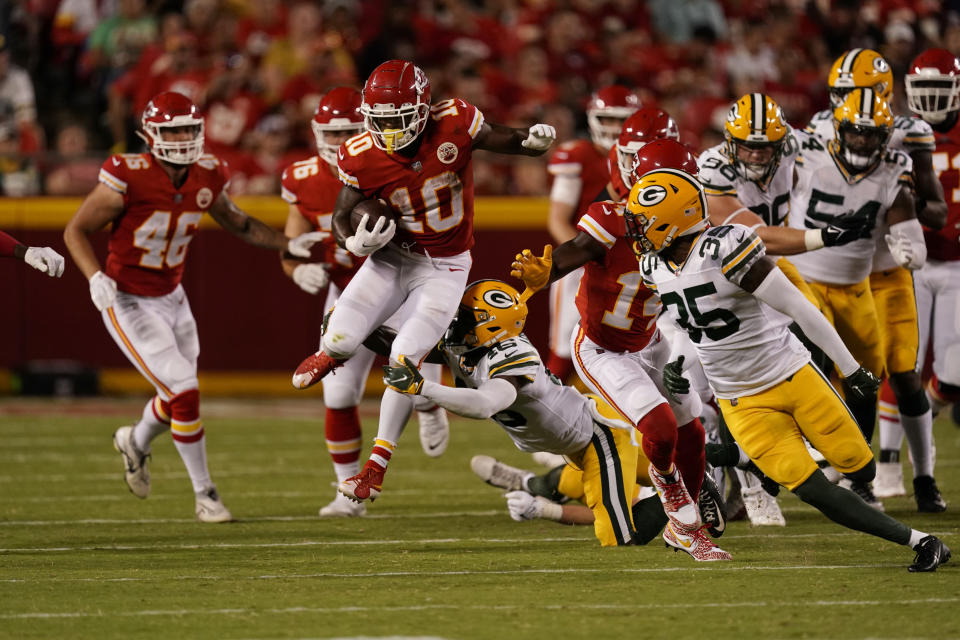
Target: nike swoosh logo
{"x": 859, "y": 293}
{"x": 455, "y": 269}
{"x": 116, "y": 162}
{"x": 742, "y": 236}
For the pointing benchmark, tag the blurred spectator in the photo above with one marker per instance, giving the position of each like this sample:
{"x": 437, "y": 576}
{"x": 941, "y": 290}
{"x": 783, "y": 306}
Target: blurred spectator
{"x": 676, "y": 20}
{"x": 751, "y": 61}
{"x": 74, "y": 21}
{"x": 290, "y": 56}
{"x": 18, "y": 176}
{"x": 265, "y": 22}
{"x": 234, "y": 105}
{"x": 119, "y": 39}
{"x": 18, "y": 107}
{"x": 75, "y": 172}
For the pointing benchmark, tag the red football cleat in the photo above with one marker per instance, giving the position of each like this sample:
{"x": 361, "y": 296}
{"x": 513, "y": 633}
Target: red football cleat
{"x": 694, "y": 542}
{"x": 313, "y": 369}
{"x": 366, "y": 485}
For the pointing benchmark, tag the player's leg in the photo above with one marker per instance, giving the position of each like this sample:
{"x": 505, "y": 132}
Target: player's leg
{"x": 889, "y": 482}
{"x": 609, "y": 482}
{"x": 133, "y": 443}
{"x": 373, "y": 294}
{"x": 564, "y": 317}
{"x": 435, "y": 287}
{"x": 944, "y": 386}
{"x": 623, "y": 382}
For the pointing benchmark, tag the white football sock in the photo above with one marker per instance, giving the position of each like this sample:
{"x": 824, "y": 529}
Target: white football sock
{"x": 149, "y": 427}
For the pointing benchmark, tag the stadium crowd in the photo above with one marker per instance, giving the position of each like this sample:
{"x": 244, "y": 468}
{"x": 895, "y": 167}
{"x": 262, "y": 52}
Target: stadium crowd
{"x": 76, "y": 74}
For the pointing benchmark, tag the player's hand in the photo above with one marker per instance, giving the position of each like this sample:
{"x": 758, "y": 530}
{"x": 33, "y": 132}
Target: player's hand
{"x": 103, "y": 290}
{"x": 863, "y": 383}
{"x": 300, "y": 246}
{"x": 364, "y": 241}
{"x": 311, "y": 277}
{"x": 845, "y": 228}
{"x": 523, "y": 506}
{"x": 534, "y": 271}
{"x": 673, "y": 379}
{"x": 404, "y": 378}
{"x": 900, "y": 248}
{"x": 45, "y": 260}
{"x": 540, "y": 137}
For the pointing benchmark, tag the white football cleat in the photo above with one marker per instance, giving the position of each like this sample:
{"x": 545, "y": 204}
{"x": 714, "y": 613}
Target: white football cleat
{"x": 762, "y": 508}
{"x": 343, "y": 507}
{"x": 135, "y": 471}
{"x": 210, "y": 508}
{"x": 549, "y": 460}
{"x": 434, "y": 431}
{"x": 677, "y": 503}
{"x": 500, "y": 475}
{"x": 889, "y": 480}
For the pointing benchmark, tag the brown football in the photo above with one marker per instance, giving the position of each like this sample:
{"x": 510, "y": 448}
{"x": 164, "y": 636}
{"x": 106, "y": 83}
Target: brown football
{"x": 374, "y": 208}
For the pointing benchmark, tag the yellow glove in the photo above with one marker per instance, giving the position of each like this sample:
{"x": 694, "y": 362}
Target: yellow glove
{"x": 534, "y": 271}
{"x": 405, "y": 378}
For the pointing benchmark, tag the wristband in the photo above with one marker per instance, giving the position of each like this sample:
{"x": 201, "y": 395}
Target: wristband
{"x": 551, "y": 510}
{"x": 813, "y": 239}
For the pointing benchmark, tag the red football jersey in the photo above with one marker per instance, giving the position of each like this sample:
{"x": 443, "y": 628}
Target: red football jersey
{"x": 433, "y": 190}
{"x": 617, "y": 311}
{"x": 945, "y": 244}
{"x": 148, "y": 242}
{"x": 580, "y": 159}
{"x": 620, "y": 189}
{"x": 313, "y": 187}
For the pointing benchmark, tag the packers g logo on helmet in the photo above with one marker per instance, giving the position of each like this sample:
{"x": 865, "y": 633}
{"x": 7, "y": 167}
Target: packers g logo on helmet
{"x": 859, "y": 69}
{"x": 755, "y": 122}
{"x": 664, "y": 205}
{"x": 863, "y": 124}
{"x": 490, "y": 311}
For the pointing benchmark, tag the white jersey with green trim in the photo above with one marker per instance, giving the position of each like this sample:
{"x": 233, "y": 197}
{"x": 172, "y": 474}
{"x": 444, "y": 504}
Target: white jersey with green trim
{"x": 743, "y": 344}
{"x": 909, "y": 134}
{"x": 825, "y": 190}
{"x": 546, "y": 416}
{"x": 770, "y": 201}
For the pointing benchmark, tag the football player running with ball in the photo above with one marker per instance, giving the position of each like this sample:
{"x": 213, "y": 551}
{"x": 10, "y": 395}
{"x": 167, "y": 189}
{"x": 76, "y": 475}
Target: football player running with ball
{"x": 310, "y": 187}
{"x": 418, "y": 158}
{"x": 154, "y": 203}
{"x": 735, "y": 304}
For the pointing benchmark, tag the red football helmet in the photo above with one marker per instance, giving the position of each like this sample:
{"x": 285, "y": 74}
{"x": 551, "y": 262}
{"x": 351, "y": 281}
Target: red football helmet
{"x": 933, "y": 85}
{"x": 338, "y": 112}
{"x": 171, "y": 110}
{"x": 644, "y": 126}
{"x": 665, "y": 153}
{"x": 615, "y": 101}
{"x": 396, "y": 104}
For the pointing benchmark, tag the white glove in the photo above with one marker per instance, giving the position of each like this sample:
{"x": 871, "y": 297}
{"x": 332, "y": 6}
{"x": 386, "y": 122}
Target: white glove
{"x": 300, "y": 246}
{"x": 523, "y": 506}
{"x": 364, "y": 242}
{"x": 540, "y": 137}
{"x": 45, "y": 260}
{"x": 103, "y": 290}
{"x": 311, "y": 277}
{"x": 900, "y": 248}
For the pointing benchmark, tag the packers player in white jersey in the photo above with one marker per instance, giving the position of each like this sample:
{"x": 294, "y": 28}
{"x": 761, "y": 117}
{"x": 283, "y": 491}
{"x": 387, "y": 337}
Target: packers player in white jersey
{"x": 890, "y": 284}
{"x": 856, "y": 174}
{"x": 735, "y": 304}
{"x": 747, "y": 180}
{"x": 499, "y": 375}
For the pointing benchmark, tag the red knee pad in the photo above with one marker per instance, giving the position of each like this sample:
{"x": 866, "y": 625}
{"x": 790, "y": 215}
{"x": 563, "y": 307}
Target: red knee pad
{"x": 690, "y": 457}
{"x": 886, "y": 394}
{"x": 560, "y": 367}
{"x": 161, "y": 409}
{"x": 659, "y": 429}
{"x": 185, "y": 425}
{"x": 342, "y": 427}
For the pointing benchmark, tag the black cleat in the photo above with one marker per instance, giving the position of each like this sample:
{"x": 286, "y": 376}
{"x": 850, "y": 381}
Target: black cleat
{"x": 931, "y": 553}
{"x": 711, "y": 505}
{"x": 928, "y": 496}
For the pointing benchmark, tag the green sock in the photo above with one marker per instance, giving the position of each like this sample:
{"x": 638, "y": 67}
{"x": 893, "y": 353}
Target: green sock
{"x": 846, "y": 508}
{"x": 546, "y": 485}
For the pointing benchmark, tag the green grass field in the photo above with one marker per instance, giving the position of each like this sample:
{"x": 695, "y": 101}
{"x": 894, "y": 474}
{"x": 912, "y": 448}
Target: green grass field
{"x": 437, "y": 557}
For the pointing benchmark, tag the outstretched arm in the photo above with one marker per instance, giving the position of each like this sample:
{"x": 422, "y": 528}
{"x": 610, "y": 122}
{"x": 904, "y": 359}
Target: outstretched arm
{"x": 253, "y": 231}
{"x": 526, "y": 142}
{"x": 539, "y": 271}
{"x": 931, "y": 206}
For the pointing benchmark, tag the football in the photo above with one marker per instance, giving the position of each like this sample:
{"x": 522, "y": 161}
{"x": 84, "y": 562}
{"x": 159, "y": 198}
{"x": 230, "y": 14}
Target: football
{"x": 374, "y": 208}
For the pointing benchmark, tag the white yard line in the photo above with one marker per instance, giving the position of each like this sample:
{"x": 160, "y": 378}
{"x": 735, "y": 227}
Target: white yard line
{"x": 632, "y": 606}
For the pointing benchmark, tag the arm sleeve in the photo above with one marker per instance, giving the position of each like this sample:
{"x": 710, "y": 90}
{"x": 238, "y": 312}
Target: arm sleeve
{"x": 911, "y": 232}
{"x": 7, "y": 244}
{"x": 782, "y": 295}
{"x": 492, "y": 396}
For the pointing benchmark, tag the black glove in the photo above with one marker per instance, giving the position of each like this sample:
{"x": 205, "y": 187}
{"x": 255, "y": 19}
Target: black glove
{"x": 863, "y": 383}
{"x": 673, "y": 379}
{"x": 846, "y": 228}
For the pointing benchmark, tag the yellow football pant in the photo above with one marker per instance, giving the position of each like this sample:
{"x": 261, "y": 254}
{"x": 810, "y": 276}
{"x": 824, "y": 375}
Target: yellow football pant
{"x": 852, "y": 312}
{"x": 770, "y": 427}
{"x": 897, "y": 314}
